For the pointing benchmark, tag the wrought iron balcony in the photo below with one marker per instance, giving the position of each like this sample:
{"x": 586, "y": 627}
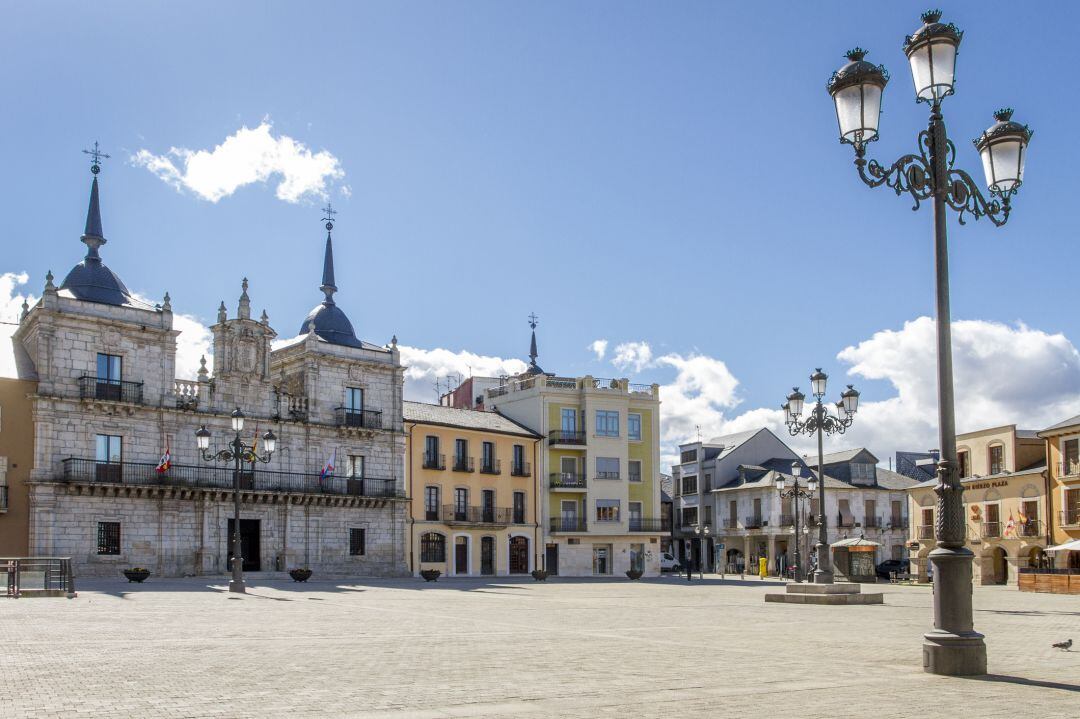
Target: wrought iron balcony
{"x": 218, "y": 477}
{"x": 753, "y": 523}
{"x": 492, "y": 466}
{"x": 926, "y": 531}
{"x": 113, "y": 390}
{"x": 364, "y": 418}
{"x": 787, "y": 520}
{"x": 1030, "y": 528}
{"x": 845, "y": 522}
{"x": 568, "y": 524}
{"x": 463, "y": 464}
{"x": 567, "y": 480}
{"x": 642, "y": 524}
{"x": 454, "y": 514}
{"x": 434, "y": 461}
{"x": 561, "y": 436}
{"x": 991, "y": 530}
{"x": 872, "y": 522}
{"x": 521, "y": 469}
{"x": 731, "y": 523}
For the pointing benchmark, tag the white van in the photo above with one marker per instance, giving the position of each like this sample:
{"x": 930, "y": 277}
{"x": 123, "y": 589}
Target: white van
{"x": 668, "y": 563}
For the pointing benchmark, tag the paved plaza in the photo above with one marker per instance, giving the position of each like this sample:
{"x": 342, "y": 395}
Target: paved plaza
{"x": 501, "y": 648}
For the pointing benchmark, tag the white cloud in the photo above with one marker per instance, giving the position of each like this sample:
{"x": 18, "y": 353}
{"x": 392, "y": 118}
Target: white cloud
{"x": 632, "y": 355}
{"x": 599, "y": 348}
{"x": 425, "y": 367}
{"x": 245, "y": 157}
{"x": 10, "y": 310}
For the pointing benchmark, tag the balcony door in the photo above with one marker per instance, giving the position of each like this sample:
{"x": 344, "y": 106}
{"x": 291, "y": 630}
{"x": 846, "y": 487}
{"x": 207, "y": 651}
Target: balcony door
{"x": 569, "y": 420}
{"x": 487, "y": 505}
{"x": 461, "y": 504}
{"x": 519, "y": 555}
{"x": 568, "y": 467}
{"x": 487, "y": 555}
{"x": 461, "y": 556}
{"x": 568, "y": 515}
{"x": 109, "y": 376}
{"x": 635, "y": 516}
{"x": 109, "y": 455}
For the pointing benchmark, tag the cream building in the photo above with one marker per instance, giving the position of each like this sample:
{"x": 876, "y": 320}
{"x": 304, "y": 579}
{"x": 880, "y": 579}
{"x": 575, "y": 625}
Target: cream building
{"x": 1063, "y": 505}
{"x": 1005, "y": 488}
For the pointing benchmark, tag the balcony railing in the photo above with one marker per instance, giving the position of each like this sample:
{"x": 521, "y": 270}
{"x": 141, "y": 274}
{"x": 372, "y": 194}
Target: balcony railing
{"x": 492, "y": 466}
{"x": 1070, "y": 517}
{"x": 463, "y": 464}
{"x": 211, "y": 476}
{"x": 845, "y": 522}
{"x": 568, "y": 524}
{"x": 521, "y": 469}
{"x": 898, "y": 522}
{"x": 434, "y": 461}
{"x": 634, "y": 476}
{"x": 752, "y": 523}
{"x": 1068, "y": 469}
{"x": 731, "y": 523}
{"x": 113, "y": 390}
{"x": 991, "y": 529}
{"x": 872, "y": 522}
{"x": 787, "y": 520}
{"x": 562, "y": 436}
{"x": 454, "y": 514}
{"x": 926, "y": 531}
{"x": 3, "y": 498}
{"x": 1030, "y": 528}
{"x": 566, "y": 480}
{"x": 646, "y": 524}
{"x": 365, "y": 418}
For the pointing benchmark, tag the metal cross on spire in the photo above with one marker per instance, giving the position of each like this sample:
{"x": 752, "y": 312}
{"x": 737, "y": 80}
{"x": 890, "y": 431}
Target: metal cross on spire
{"x": 533, "y": 320}
{"x": 97, "y": 156}
{"x": 329, "y": 219}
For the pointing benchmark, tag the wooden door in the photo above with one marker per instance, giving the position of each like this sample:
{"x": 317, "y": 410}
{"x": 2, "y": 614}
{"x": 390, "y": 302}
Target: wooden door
{"x": 487, "y": 555}
{"x": 461, "y": 555}
{"x": 519, "y": 555}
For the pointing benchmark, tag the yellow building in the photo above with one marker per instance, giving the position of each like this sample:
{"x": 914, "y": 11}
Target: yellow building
{"x": 473, "y": 492}
{"x": 1063, "y": 455}
{"x": 16, "y": 459}
{"x": 1005, "y": 488}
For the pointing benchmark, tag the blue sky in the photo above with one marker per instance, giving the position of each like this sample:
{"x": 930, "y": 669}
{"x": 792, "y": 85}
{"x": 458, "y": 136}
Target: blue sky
{"x": 636, "y": 172}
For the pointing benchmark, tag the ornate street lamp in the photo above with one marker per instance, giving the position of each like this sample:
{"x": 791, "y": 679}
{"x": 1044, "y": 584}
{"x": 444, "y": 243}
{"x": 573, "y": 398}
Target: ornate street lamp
{"x": 796, "y": 493}
{"x": 953, "y": 647}
{"x": 820, "y": 422}
{"x": 702, "y": 533}
{"x": 236, "y": 452}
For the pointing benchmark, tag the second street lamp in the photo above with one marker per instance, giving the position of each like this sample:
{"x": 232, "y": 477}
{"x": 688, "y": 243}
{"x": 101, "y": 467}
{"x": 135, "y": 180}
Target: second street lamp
{"x": 953, "y": 647}
{"x": 795, "y": 493}
{"x": 236, "y": 452}
{"x": 820, "y": 422}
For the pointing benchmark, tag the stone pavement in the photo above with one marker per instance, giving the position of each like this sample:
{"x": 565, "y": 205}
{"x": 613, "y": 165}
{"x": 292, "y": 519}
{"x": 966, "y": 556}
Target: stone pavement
{"x": 502, "y": 648}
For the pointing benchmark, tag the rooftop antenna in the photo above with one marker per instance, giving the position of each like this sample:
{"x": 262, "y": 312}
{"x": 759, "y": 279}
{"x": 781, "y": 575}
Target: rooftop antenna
{"x": 698, "y": 432}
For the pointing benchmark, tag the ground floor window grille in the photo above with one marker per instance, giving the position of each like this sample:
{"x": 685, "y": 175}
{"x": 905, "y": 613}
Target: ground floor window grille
{"x": 432, "y": 548}
{"x": 356, "y": 541}
{"x": 108, "y": 538}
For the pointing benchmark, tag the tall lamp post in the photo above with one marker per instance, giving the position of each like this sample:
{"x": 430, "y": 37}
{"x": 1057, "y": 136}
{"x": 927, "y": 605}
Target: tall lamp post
{"x": 796, "y": 493}
{"x": 953, "y": 647}
{"x": 236, "y": 452}
{"x": 702, "y": 533}
{"x": 820, "y": 422}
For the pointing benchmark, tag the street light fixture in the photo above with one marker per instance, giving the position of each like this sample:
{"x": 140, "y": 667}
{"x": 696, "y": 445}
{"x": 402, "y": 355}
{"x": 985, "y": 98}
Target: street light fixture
{"x": 820, "y": 422}
{"x": 953, "y": 647}
{"x": 702, "y": 533}
{"x": 796, "y": 492}
{"x": 236, "y": 452}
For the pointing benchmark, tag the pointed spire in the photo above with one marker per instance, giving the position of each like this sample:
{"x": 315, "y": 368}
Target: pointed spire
{"x": 328, "y": 287}
{"x": 93, "y": 235}
{"x": 533, "y": 367}
{"x": 243, "y": 310}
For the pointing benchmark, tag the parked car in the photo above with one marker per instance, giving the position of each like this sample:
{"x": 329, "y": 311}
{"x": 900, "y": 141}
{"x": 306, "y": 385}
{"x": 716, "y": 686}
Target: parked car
{"x": 886, "y": 568}
{"x": 668, "y": 563}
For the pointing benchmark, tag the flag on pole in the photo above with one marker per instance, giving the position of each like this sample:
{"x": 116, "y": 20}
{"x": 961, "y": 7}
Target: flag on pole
{"x": 1010, "y": 526}
{"x": 328, "y": 470}
{"x": 166, "y": 461}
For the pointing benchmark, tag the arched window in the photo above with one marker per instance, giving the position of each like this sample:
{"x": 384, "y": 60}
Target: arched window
{"x": 432, "y": 547}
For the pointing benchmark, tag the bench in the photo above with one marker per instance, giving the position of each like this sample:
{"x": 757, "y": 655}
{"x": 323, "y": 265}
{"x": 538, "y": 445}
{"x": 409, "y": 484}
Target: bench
{"x": 898, "y": 577}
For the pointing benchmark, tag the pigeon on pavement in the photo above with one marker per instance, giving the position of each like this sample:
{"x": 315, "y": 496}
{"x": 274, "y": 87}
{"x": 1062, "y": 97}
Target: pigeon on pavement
{"x": 1065, "y": 645}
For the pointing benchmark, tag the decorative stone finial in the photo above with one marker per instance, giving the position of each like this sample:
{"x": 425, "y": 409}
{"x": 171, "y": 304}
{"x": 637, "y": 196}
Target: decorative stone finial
{"x": 311, "y": 327}
{"x": 167, "y": 304}
{"x": 25, "y": 310}
{"x": 393, "y": 342}
{"x": 49, "y": 286}
{"x": 265, "y": 319}
{"x": 203, "y": 372}
{"x": 243, "y": 310}
{"x": 221, "y": 312}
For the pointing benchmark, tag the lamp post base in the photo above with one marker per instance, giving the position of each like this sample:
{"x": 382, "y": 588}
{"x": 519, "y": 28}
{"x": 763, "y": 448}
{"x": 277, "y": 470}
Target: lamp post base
{"x": 954, "y": 655}
{"x": 237, "y": 585}
{"x": 823, "y": 576}
{"x": 953, "y": 647}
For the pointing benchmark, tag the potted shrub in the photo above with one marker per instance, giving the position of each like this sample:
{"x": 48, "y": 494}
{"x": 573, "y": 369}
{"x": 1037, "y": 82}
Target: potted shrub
{"x": 633, "y": 573}
{"x": 539, "y": 574}
{"x": 300, "y": 574}
{"x": 136, "y": 574}
{"x": 430, "y": 575}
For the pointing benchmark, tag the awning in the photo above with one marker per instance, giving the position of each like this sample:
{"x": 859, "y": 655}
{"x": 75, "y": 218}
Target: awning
{"x": 1073, "y": 546}
{"x": 855, "y": 542}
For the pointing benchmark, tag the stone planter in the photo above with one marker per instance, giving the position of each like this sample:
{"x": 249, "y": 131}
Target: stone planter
{"x": 430, "y": 575}
{"x": 300, "y": 575}
{"x": 137, "y": 574}
{"x": 633, "y": 573}
{"x": 539, "y": 575}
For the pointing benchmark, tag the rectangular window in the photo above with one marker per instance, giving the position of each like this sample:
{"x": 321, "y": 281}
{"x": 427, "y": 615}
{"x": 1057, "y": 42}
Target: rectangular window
{"x": 108, "y": 538}
{"x": 110, "y": 368}
{"x": 354, "y": 399}
{"x": 487, "y": 455}
{"x": 707, "y": 484}
{"x": 733, "y": 514}
{"x": 431, "y": 504}
{"x": 633, "y": 426}
{"x": 897, "y": 513}
{"x": 356, "y": 541}
{"x": 109, "y": 448}
{"x": 607, "y": 467}
{"x": 607, "y": 423}
{"x": 461, "y": 503}
{"x": 569, "y": 420}
{"x": 689, "y": 484}
{"x": 462, "y": 461}
{"x": 997, "y": 459}
{"x": 519, "y": 508}
{"x": 487, "y": 505}
{"x": 869, "y": 513}
{"x": 634, "y": 470}
{"x": 689, "y": 516}
{"x": 635, "y": 511}
{"x": 964, "y": 463}
{"x": 607, "y": 510}
{"x": 519, "y": 460}
{"x": 356, "y": 466}
{"x": 1070, "y": 457}
{"x": 1071, "y": 509}
{"x": 708, "y": 514}
{"x": 688, "y": 455}
{"x": 432, "y": 548}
